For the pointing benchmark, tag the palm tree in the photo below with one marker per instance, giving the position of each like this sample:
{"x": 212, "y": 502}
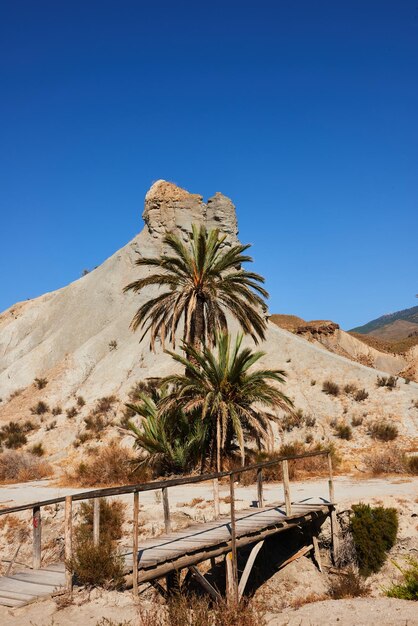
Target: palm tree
{"x": 169, "y": 443}
{"x": 203, "y": 281}
{"x": 225, "y": 393}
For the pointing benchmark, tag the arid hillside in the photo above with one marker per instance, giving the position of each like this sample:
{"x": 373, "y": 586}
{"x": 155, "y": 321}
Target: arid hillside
{"x": 63, "y": 352}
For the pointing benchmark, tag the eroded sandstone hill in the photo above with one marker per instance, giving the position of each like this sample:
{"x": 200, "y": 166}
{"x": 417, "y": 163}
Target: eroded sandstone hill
{"x": 78, "y": 339}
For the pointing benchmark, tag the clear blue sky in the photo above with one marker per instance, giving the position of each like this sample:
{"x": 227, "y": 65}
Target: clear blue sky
{"x": 304, "y": 113}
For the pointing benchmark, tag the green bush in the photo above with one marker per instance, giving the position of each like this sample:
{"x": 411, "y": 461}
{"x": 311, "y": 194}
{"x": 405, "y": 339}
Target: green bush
{"x": 408, "y": 589}
{"x": 374, "y": 533}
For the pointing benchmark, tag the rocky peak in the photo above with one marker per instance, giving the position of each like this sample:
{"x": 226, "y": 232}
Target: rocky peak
{"x": 169, "y": 207}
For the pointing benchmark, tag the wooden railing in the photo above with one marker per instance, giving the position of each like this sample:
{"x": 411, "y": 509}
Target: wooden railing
{"x": 163, "y": 486}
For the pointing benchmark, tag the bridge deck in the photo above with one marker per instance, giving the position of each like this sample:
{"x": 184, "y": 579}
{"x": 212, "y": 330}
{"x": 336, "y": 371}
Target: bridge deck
{"x": 158, "y": 556}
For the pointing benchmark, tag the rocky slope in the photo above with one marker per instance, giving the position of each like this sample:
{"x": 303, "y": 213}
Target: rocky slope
{"x": 78, "y": 338}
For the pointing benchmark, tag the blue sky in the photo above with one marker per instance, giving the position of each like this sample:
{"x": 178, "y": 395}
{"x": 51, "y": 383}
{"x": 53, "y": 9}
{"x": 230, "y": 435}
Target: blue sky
{"x": 304, "y": 113}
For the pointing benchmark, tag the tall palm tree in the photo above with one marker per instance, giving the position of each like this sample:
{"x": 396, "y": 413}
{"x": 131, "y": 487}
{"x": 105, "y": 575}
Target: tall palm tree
{"x": 203, "y": 280}
{"x": 226, "y": 394}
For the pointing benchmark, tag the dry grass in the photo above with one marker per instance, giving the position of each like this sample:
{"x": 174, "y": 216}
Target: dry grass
{"x": 112, "y": 465}
{"x": 348, "y": 584}
{"x": 22, "y": 466}
{"x": 331, "y": 388}
{"x": 383, "y": 431}
{"x": 389, "y": 460}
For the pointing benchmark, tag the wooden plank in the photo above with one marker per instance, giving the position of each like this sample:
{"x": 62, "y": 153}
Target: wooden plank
{"x": 248, "y": 567}
{"x": 233, "y": 539}
{"x": 37, "y": 536}
{"x": 68, "y": 543}
{"x": 317, "y": 554}
{"x": 204, "y": 583}
{"x": 26, "y": 587}
{"x": 24, "y": 597}
{"x": 11, "y": 602}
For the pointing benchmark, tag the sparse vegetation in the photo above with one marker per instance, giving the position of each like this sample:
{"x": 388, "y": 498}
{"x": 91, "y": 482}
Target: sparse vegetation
{"x": 22, "y": 466}
{"x": 37, "y": 450}
{"x": 12, "y": 435}
{"x": 71, "y": 412}
{"x": 350, "y": 389}
{"x": 412, "y": 463}
{"x": 361, "y": 395}
{"x": 408, "y": 589}
{"x": 57, "y": 410}
{"x": 374, "y": 533}
{"x": 343, "y": 431}
{"x": 384, "y": 431}
{"x": 348, "y": 584}
{"x": 390, "y": 382}
{"x": 103, "y": 405}
{"x": 40, "y": 383}
{"x": 331, "y": 388}
{"x": 313, "y": 383}
{"x": 16, "y": 393}
{"x": 51, "y": 425}
{"x": 356, "y": 420}
{"x": 80, "y": 401}
{"x": 113, "y": 345}
{"x": 390, "y": 460}
{"x": 40, "y": 408}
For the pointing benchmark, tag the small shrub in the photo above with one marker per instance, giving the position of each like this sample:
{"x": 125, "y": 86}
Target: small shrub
{"x": 113, "y": 345}
{"x": 28, "y": 426}
{"x": 343, "y": 431}
{"x": 12, "y": 435}
{"x": 40, "y": 409}
{"x": 81, "y": 439}
{"x": 407, "y": 381}
{"x": 103, "y": 405}
{"x": 384, "y": 431}
{"x": 387, "y": 381}
{"x": 95, "y": 423}
{"x": 309, "y": 438}
{"x": 408, "y": 589}
{"x": 331, "y": 388}
{"x": 374, "y": 533}
{"x": 350, "y": 389}
{"x": 348, "y": 584}
{"x": 361, "y": 395}
{"x": 356, "y": 421}
{"x": 80, "y": 401}
{"x": 22, "y": 466}
{"x": 40, "y": 383}
{"x": 310, "y": 421}
{"x": 412, "y": 463}
{"x": 292, "y": 420}
{"x": 57, "y": 410}
{"x": 71, "y": 412}
{"x": 97, "y": 566}
{"x": 51, "y": 425}
{"x": 37, "y": 450}
{"x": 313, "y": 383}
{"x": 391, "y": 460}
{"x": 16, "y": 393}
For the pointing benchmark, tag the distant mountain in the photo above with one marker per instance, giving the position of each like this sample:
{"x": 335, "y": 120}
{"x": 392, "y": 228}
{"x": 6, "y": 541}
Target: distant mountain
{"x": 392, "y": 327}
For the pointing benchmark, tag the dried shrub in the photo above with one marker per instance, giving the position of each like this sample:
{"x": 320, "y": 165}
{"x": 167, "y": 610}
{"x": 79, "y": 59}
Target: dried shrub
{"x": 97, "y": 566}
{"x": 51, "y": 425}
{"x": 313, "y": 383}
{"x": 412, "y": 464}
{"x": 387, "y": 381}
{"x": 343, "y": 431}
{"x": 356, "y": 421}
{"x": 384, "y": 431}
{"x": 331, "y": 388}
{"x": 57, "y": 410}
{"x": 16, "y": 393}
{"x": 37, "y": 449}
{"x": 361, "y": 395}
{"x": 81, "y": 439}
{"x": 113, "y": 344}
{"x": 40, "y": 383}
{"x": 348, "y": 584}
{"x": 390, "y": 460}
{"x": 71, "y": 412}
{"x": 12, "y": 435}
{"x": 374, "y": 533}
{"x": 22, "y": 466}
{"x": 112, "y": 464}
{"x": 103, "y": 405}
{"x": 292, "y": 420}
{"x": 40, "y": 408}
{"x": 188, "y": 610}
{"x": 80, "y": 401}
{"x": 350, "y": 389}
{"x": 95, "y": 423}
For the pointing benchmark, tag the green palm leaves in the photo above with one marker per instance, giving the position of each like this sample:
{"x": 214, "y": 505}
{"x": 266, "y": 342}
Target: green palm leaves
{"x": 203, "y": 280}
{"x": 219, "y": 386}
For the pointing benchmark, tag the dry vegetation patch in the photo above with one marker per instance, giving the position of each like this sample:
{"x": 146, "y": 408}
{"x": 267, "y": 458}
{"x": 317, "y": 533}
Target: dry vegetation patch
{"x": 22, "y": 466}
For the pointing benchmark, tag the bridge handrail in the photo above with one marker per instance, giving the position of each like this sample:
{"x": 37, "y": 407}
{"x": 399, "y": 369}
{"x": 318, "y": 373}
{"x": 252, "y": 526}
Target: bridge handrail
{"x": 164, "y": 484}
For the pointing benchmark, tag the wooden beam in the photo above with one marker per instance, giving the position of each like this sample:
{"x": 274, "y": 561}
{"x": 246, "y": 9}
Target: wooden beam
{"x": 286, "y": 487}
{"x": 204, "y": 583}
{"x": 229, "y": 578}
{"x": 248, "y": 567}
{"x": 135, "y": 530}
{"x": 68, "y": 543}
{"x": 96, "y": 521}
{"x": 297, "y": 555}
{"x": 166, "y": 507}
{"x": 316, "y": 553}
{"x": 260, "y": 488}
{"x": 216, "y": 497}
{"x": 37, "y": 536}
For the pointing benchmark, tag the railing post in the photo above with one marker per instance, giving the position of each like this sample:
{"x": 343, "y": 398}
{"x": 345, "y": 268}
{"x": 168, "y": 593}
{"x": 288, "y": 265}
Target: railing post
{"x": 333, "y": 514}
{"x": 166, "y": 507}
{"x": 233, "y": 540}
{"x": 260, "y": 488}
{"x": 68, "y": 543}
{"x": 37, "y": 536}
{"x": 135, "y": 544}
{"x": 216, "y": 497}
{"x": 286, "y": 487}
{"x": 96, "y": 521}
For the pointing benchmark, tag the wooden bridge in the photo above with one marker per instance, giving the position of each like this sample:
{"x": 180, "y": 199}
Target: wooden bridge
{"x": 163, "y": 557}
